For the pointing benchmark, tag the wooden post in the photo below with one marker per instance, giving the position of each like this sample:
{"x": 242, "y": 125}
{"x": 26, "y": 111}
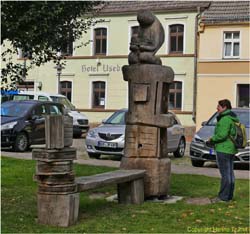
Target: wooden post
{"x": 68, "y": 131}
{"x": 58, "y": 131}
{"x": 58, "y": 209}
{"x": 57, "y": 198}
{"x": 54, "y": 132}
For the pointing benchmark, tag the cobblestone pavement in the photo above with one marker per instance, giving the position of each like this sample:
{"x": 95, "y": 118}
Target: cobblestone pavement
{"x": 178, "y": 166}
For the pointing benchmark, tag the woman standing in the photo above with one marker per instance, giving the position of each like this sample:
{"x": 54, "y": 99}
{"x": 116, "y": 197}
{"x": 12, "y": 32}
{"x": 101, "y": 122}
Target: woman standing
{"x": 225, "y": 149}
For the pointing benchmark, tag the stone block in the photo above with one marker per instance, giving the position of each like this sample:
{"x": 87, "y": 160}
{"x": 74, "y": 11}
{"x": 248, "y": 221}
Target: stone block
{"x": 157, "y": 178}
{"x": 58, "y": 210}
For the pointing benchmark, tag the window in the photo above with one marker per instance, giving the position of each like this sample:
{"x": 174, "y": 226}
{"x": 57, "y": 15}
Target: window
{"x": 243, "y": 116}
{"x": 25, "y": 85}
{"x": 13, "y": 110}
{"x": 63, "y": 100}
{"x": 173, "y": 117}
{"x": 175, "y": 96}
{"x": 67, "y": 49}
{"x": 54, "y": 110}
{"x": 67, "y": 45}
{"x": 243, "y": 95}
{"x": 100, "y": 41}
{"x": 43, "y": 98}
{"x": 231, "y": 44}
{"x": 116, "y": 118}
{"x": 24, "y": 53}
{"x": 40, "y": 111}
{"x": 23, "y": 97}
{"x": 98, "y": 100}
{"x": 176, "y": 38}
{"x": 66, "y": 89}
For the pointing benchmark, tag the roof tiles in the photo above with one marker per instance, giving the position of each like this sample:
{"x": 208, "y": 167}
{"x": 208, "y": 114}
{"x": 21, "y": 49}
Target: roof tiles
{"x": 215, "y": 11}
{"x": 227, "y": 12}
{"x": 119, "y": 7}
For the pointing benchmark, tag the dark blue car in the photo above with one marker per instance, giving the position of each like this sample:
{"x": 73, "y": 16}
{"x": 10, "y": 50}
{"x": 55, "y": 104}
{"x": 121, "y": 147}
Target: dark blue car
{"x": 23, "y": 122}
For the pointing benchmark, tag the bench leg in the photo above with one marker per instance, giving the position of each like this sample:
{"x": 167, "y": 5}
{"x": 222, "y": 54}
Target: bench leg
{"x": 131, "y": 192}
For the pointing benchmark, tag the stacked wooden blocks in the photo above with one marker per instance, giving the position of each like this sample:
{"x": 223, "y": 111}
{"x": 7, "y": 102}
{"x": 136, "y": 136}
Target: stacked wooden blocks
{"x": 57, "y": 197}
{"x": 147, "y": 121}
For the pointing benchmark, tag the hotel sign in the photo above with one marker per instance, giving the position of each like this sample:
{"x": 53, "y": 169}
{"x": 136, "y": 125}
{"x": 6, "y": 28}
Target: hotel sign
{"x": 101, "y": 68}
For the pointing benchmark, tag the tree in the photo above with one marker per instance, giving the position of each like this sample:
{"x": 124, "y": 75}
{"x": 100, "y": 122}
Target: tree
{"x": 41, "y": 29}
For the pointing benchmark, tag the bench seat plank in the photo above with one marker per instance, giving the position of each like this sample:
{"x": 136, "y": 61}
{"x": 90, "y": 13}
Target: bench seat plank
{"x": 115, "y": 177}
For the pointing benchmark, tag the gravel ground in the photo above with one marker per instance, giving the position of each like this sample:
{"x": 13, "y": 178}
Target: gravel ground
{"x": 178, "y": 166}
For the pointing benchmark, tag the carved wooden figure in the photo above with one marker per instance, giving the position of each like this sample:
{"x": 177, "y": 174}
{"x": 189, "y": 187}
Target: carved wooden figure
{"x": 147, "y": 118}
{"x": 150, "y": 38}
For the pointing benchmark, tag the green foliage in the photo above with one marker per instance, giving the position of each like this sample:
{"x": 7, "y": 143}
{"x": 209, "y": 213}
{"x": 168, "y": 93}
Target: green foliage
{"x": 19, "y": 211}
{"x": 41, "y": 29}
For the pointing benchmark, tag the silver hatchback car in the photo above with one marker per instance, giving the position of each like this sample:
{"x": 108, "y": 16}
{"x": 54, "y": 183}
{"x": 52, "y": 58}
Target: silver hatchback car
{"x": 200, "y": 152}
{"x": 109, "y": 137}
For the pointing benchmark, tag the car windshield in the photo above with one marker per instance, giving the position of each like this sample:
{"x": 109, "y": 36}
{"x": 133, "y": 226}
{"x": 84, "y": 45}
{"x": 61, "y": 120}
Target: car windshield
{"x": 116, "y": 118}
{"x": 23, "y": 97}
{"x": 63, "y": 100}
{"x": 242, "y": 115}
{"x": 13, "y": 109}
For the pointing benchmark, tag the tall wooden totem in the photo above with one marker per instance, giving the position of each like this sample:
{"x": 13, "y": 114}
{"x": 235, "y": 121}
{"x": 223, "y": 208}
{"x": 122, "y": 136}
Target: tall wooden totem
{"x": 147, "y": 118}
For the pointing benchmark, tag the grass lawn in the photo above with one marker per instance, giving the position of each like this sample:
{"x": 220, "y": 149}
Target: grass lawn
{"x": 19, "y": 211}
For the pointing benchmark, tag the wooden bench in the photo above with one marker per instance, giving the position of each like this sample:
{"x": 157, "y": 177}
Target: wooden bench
{"x": 130, "y": 184}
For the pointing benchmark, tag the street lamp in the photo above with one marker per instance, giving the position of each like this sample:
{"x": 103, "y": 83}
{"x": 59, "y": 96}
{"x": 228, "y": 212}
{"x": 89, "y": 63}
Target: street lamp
{"x": 24, "y": 69}
{"x": 59, "y": 68}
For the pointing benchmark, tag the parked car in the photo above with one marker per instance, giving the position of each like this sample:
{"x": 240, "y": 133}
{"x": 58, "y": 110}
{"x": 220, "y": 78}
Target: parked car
{"x": 23, "y": 122}
{"x": 80, "y": 121}
{"x": 109, "y": 137}
{"x": 201, "y": 153}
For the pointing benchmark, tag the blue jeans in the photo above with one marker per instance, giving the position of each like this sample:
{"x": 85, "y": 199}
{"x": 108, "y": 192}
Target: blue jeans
{"x": 226, "y": 167}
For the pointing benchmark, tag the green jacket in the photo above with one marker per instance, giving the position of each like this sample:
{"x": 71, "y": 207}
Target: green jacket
{"x": 225, "y": 127}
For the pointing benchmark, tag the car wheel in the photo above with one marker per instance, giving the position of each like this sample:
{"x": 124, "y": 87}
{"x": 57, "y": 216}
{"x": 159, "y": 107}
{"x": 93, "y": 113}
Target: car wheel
{"x": 93, "y": 155}
{"x": 197, "y": 163}
{"x": 22, "y": 142}
{"x": 179, "y": 153}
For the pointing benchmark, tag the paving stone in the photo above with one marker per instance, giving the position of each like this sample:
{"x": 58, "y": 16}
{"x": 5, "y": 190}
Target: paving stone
{"x": 112, "y": 198}
{"x": 166, "y": 200}
{"x": 172, "y": 199}
{"x": 198, "y": 201}
{"x": 97, "y": 195}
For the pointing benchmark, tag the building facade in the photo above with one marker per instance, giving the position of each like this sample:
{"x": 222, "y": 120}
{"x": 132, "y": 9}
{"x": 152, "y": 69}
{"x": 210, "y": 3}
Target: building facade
{"x": 224, "y": 56}
{"x": 92, "y": 76}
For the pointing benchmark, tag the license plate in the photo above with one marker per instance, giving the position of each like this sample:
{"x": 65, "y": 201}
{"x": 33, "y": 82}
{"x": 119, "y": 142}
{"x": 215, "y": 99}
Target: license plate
{"x": 211, "y": 151}
{"x": 107, "y": 144}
